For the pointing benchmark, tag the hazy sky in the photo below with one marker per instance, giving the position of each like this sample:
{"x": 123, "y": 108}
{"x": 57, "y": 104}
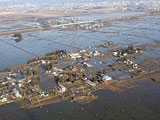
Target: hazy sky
{"x": 42, "y": 1}
{"x": 56, "y": 1}
{"x": 47, "y": 0}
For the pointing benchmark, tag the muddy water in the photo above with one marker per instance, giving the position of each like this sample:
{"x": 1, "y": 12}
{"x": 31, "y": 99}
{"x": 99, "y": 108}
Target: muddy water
{"x": 146, "y": 94}
{"x": 109, "y": 106}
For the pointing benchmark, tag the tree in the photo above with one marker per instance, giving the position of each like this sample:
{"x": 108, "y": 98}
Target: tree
{"x": 18, "y": 37}
{"x": 49, "y": 66}
{"x": 35, "y": 72}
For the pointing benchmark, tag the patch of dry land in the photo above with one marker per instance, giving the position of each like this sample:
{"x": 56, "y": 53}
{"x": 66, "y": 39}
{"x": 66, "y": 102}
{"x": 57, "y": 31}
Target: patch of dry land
{"x": 72, "y": 80}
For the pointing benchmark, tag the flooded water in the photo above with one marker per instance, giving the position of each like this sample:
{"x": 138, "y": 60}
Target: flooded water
{"x": 46, "y": 82}
{"x": 147, "y": 93}
{"x": 110, "y": 105}
{"x": 140, "y": 31}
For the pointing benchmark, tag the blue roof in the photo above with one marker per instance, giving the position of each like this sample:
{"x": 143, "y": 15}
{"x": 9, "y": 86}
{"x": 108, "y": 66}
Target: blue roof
{"x": 20, "y": 76}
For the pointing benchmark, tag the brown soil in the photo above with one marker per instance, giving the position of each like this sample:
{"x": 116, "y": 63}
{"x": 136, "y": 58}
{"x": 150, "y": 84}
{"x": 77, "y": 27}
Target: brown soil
{"x": 155, "y": 77}
{"x": 85, "y": 99}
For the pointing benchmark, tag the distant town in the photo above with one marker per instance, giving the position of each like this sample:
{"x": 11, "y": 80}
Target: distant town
{"x": 124, "y": 5}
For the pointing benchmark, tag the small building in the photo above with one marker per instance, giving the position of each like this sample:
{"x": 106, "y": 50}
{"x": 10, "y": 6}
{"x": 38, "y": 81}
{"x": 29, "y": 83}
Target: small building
{"x": 19, "y": 83}
{"x": 95, "y": 53}
{"x": 20, "y": 76}
{"x": 11, "y": 80}
{"x": 57, "y": 69}
{"x": 106, "y": 78}
{"x": 44, "y": 94}
{"x": 86, "y": 64}
{"x": 70, "y": 67}
{"x": 43, "y": 62}
{"x": 16, "y": 93}
{"x": 75, "y": 55}
{"x": 115, "y": 54}
{"x": 61, "y": 88}
{"x": 28, "y": 80}
{"x": 89, "y": 82}
{"x": 32, "y": 88}
{"x": 3, "y": 99}
{"x": 63, "y": 55}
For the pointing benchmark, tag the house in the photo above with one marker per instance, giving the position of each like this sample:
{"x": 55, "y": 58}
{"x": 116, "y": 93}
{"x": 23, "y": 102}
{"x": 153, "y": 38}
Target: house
{"x": 2, "y": 98}
{"x": 115, "y": 54}
{"x": 89, "y": 82}
{"x": 43, "y": 62}
{"x": 95, "y": 53}
{"x": 28, "y": 80}
{"x": 127, "y": 61}
{"x": 16, "y": 93}
{"x": 86, "y": 64}
{"x": 57, "y": 69}
{"x": 106, "y": 78}
{"x": 11, "y": 80}
{"x": 20, "y": 76}
{"x": 54, "y": 73}
{"x": 134, "y": 66}
{"x": 63, "y": 55}
{"x": 75, "y": 55}
{"x": 123, "y": 54}
{"x": 70, "y": 67}
{"x": 19, "y": 83}
{"x": 61, "y": 88}
{"x": 44, "y": 94}
{"x": 32, "y": 88}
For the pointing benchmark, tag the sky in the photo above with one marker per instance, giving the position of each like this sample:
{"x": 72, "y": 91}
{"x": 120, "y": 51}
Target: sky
{"x": 43, "y": 1}
{"x": 53, "y": 1}
{"x": 47, "y": 1}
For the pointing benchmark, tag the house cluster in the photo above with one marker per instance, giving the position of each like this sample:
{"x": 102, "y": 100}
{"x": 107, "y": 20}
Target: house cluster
{"x": 73, "y": 71}
{"x": 73, "y": 23}
{"x": 22, "y": 81}
{"x": 128, "y": 51}
{"x": 130, "y": 62}
{"x": 58, "y": 22}
{"x": 76, "y": 70}
{"x": 18, "y": 83}
{"x": 89, "y": 26}
{"x": 109, "y": 44}
{"x": 122, "y": 56}
{"x": 11, "y": 83}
